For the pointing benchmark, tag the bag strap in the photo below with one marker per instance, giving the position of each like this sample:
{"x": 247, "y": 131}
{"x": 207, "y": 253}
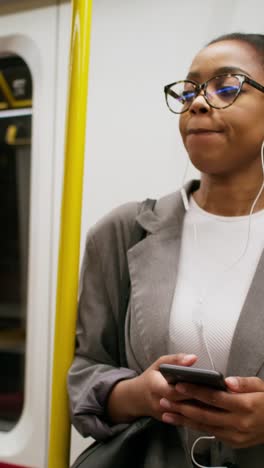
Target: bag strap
{"x": 138, "y": 234}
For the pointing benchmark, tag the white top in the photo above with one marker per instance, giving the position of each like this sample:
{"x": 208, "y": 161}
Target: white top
{"x": 212, "y": 283}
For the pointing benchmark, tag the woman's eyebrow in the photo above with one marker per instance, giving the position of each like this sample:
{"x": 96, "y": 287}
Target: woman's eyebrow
{"x": 228, "y": 69}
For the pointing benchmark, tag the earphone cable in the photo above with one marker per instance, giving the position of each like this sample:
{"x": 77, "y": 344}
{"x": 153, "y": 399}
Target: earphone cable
{"x": 192, "y": 452}
{"x": 251, "y": 211}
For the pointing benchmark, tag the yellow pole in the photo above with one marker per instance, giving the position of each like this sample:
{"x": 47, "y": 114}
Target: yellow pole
{"x": 68, "y": 267}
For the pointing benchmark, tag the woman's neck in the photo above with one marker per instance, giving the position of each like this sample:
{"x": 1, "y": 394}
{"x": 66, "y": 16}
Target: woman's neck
{"x": 228, "y": 196}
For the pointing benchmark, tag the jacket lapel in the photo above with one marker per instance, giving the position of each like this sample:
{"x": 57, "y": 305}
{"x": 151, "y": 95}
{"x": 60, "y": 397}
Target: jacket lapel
{"x": 247, "y": 350}
{"x": 153, "y": 266}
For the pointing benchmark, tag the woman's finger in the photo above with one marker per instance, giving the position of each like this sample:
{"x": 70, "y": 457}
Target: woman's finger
{"x": 232, "y": 402}
{"x": 179, "y": 359}
{"x": 245, "y": 384}
{"x": 230, "y": 437}
{"x": 208, "y": 416}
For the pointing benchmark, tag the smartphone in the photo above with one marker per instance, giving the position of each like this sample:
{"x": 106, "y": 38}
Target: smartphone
{"x": 208, "y": 378}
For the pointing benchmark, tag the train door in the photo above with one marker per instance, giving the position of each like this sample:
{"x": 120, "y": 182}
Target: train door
{"x": 31, "y": 143}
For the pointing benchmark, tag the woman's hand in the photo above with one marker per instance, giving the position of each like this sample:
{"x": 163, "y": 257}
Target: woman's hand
{"x": 133, "y": 398}
{"x": 235, "y": 417}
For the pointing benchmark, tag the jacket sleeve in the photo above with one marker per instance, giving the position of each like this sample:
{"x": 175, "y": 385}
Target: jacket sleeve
{"x": 95, "y": 369}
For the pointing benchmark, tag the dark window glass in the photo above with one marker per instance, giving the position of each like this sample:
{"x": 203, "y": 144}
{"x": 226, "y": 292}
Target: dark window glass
{"x": 15, "y": 150}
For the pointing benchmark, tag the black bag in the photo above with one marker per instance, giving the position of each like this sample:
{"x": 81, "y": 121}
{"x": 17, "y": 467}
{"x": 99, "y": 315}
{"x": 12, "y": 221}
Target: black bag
{"x": 126, "y": 449}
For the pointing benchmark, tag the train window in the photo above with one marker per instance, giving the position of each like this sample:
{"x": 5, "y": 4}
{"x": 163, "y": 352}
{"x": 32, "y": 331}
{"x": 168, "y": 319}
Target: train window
{"x": 15, "y": 150}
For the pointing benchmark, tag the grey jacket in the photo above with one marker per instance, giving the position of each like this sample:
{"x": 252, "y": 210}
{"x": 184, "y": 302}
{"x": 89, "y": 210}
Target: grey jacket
{"x": 152, "y": 266}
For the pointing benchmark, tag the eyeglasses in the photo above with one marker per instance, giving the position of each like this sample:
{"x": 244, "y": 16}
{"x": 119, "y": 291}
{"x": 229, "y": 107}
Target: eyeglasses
{"x": 219, "y": 92}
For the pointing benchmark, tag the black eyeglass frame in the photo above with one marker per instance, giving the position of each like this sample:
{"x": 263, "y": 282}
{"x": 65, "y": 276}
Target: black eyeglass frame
{"x": 202, "y": 87}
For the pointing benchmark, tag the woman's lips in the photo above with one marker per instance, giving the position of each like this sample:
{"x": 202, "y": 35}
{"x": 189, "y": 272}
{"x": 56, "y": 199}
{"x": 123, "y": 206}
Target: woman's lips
{"x": 202, "y": 131}
{"x": 203, "y": 135}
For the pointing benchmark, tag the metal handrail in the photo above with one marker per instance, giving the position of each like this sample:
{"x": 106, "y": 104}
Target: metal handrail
{"x": 68, "y": 266}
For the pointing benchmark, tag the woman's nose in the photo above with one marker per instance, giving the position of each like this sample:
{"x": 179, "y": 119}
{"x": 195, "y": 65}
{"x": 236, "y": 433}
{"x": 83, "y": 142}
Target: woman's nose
{"x": 199, "y": 105}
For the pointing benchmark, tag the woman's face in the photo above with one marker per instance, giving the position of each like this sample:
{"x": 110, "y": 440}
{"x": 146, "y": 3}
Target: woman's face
{"x": 235, "y": 134}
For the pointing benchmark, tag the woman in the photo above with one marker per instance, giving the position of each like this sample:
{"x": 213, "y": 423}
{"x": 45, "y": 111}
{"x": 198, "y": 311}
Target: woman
{"x": 196, "y": 280}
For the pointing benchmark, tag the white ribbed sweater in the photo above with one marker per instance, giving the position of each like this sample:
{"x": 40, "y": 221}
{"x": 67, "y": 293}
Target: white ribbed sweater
{"x": 212, "y": 284}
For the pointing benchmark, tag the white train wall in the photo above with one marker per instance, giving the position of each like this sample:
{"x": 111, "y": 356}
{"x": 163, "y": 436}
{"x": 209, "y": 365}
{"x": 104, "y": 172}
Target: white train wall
{"x": 133, "y": 146}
